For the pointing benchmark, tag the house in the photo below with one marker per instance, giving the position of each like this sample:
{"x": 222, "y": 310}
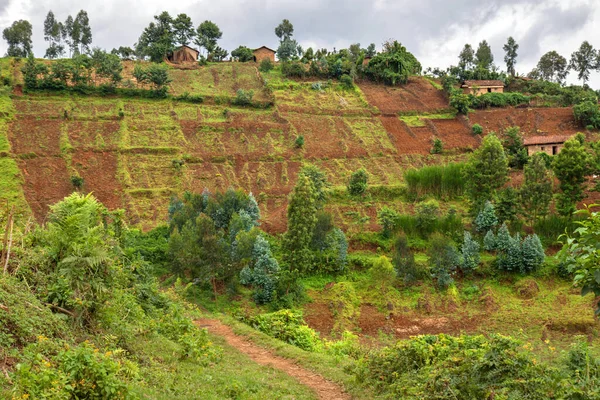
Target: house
{"x": 478, "y": 87}
{"x": 366, "y": 61}
{"x": 184, "y": 54}
{"x": 262, "y": 53}
{"x": 550, "y": 145}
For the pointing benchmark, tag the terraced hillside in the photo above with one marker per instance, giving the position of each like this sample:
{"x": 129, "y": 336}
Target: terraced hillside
{"x": 136, "y": 154}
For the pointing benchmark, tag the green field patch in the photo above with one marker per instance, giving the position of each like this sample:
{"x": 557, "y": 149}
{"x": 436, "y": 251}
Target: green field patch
{"x": 420, "y": 119}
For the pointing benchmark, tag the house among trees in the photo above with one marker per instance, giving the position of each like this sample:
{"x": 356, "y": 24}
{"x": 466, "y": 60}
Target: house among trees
{"x": 184, "y": 54}
{"x": 550, "y": 145}
{"x": 478, "y": 87}
{"x": 263, "y": 52}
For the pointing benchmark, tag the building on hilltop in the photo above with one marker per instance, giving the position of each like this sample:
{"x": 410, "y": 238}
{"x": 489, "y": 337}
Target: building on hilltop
{"x": 478, "y": 87}
{"x": 184, "y": 54}
{"x": 262, "y": 53}
{"x": 550, "y": 145}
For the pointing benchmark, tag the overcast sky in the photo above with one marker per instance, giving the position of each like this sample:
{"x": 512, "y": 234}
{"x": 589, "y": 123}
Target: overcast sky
{"x": 434, "y": 30}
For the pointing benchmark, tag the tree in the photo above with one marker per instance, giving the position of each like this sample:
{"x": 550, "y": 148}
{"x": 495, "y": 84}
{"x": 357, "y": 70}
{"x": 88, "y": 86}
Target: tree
{"x": 489, "y": 241}
{"x": 67, "y": 34}
{"x": 587, "y": 113}
{"x": 536, "y": 192}
{"x": 552, "y": 67}
{"x": 510, "y": 256}
{"x": 157, "y": 40}
{"x": 242, "y": 54}
{"x": 207, "y": 35}
{"x": 470, "y": 254}
{"x": 581, "y": 255}
{"x": 358, "y": 182}
{"x": 484, "y": 57}
{"x": 388, "y": 219}
{"x": 571, "y": 166}
{"x": 404, "y": 260}
{"x": 515, "y": 150}
{"x": 287, "y": 50}
{"x": 443, "y": 260}
{"x": 302, "y": 218}
{"x": 53, "y": 32}
{"x": 107, "y": 66}
{"x": 503, "y": 238}
{"x": 507, "y": 205}
{"x": 486, "y": 219}
{"x": 382, "y": 274}
{"x": 583, "y": 60}
{"x": 371, "y": 51}
{"x": 82, "y": 32}
{"x": 394, "y": 65}
{"x": 263, "y": 274}
{"x": 466, "y": 58}
{"x": 319, "y": 181}
{"x": 124, "y": 52}
{"x": 18, "y": 37}
{"x": 183, "y": 29}
{"x": 486, "y": 171}
{"x": 533, "y": 253}
{"x": 510, "y": 58}
{"x": 285, "y": 30}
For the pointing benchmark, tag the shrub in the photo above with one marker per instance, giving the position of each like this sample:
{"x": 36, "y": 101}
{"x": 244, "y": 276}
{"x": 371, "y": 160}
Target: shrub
{"x": 443, "y": 260}
{"x": 77, "y": 181}
{"x": 266, "y": 65}
{"x": 357, "y": 184}
{"x": 404, "y": 260}
{"x": 477, "y": 129}
{"x": 427, "y": 213}
{"x": 388, "y": 219}
{"x": 288, "y": 326}
{"x": 299, "y": 142}
{"x": 347, "y": 81}
{"x": 243, "y": 97}
{"x": 441, "y": 181}
{"x": 437, "y": 147}
{"x": 587, "y": 113}
{"x": 486, "y": 219}
{"x": 460, "y": 102}
{"x": 382, "y": 274}
{"x": 293, "y": 69}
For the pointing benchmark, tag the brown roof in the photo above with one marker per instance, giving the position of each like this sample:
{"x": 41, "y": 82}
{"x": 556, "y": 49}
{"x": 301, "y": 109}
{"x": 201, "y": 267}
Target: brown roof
{"x": 482, "y": 83}
{"x": 533, "y": 140}
{"x": 185, "y": 45}
{"x": 264, "y": 47}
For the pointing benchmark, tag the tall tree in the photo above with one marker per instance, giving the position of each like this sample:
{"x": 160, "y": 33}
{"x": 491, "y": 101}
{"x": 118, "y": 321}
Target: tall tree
{"x": 536, "y": 192}
{"x": 302, "y": 218}
{"x": 53, "y": 35}
{"x": 510, "y": 58}
{"x": 371, "y": 51}
{"x": 285, "y": 30}
{"x": 67, "y": 34}
{"x": 18, "y": 37}
{"x": 183, "y": 29}
{"x": 466, "y": 58}
{"x": 571, "y": 166}
{"x": 552, "y": 67}
{"x": 81, "y": 33}
{"x": 486, "y": 171}
{"x": 158, "y": 39}
{"x": 583, "y": 61}
{"x": 207, "y": 35}
{"x": 484, "y": 57}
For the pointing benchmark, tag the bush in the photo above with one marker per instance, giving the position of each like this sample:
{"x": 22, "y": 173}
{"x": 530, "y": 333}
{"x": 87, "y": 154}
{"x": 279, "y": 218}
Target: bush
{"x": 477, "y": 129}
{"x": 437, "y": 147}
{"x": 382, "y": 274}
{"x": 587, "y": 114}
{"x": 441, "y": 181}
{"x": 299, "y": 142}
{"x": 404, "y": 260}
{"x": 293, "y": 69}
{"x": 443, "y": 260}
{"x": 288, "y": 326}
{"x": 460, "y": 102}
{"x": 388, "y": 219}
{"x": 357, "y": 184}
{"x": 266, "y": 65}
{"x": 347, "y": 81}
{"x": 427, "y": 213}
{"x": 77, "y": 181}
{"x": 243, "y": 97}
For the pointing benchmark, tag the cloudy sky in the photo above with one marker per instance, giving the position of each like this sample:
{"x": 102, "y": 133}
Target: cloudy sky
{"x": 434, "y": 30}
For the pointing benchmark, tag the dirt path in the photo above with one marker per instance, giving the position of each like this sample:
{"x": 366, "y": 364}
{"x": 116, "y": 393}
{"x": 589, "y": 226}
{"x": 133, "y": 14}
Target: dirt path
{"x": 325, "y": 389}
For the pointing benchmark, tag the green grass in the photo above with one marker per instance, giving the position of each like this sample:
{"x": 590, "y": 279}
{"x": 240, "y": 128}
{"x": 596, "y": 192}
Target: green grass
{"x": 419, "y": 119}
{"x": 441, "y": 181}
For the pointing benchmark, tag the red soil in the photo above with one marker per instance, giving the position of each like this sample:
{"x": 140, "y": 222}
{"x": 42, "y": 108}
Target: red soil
{"x": 417, "y": 95}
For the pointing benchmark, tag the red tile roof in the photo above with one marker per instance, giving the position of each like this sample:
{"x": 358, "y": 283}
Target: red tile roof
{"x": 533, "y": 140}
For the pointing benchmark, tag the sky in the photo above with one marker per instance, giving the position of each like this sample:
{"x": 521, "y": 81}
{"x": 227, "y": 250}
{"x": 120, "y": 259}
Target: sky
{"x": 435, "y": 31}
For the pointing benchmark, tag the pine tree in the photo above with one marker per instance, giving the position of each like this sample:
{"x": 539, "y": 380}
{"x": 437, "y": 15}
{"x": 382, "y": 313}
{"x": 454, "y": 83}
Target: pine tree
{"x": 571, "y": 166}
{"x": 252, "y": 209}
{"x": 511, "y": 259}
{"x": 302, "y": 217}
{"x": 536, "y": 192}
{"x": 489, "y": 241}
{"x": 533, "y": 253}
{"x": 470, "y": 254}
{"x": 486, "y": 171}
{"x": 507, "y": 206}
{"x": 486, "y": 219}
{"x": 503, "y": 238}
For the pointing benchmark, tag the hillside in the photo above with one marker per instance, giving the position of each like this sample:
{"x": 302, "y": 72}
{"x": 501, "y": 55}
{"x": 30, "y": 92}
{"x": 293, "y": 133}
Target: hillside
{"x": 135, "y": 154}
